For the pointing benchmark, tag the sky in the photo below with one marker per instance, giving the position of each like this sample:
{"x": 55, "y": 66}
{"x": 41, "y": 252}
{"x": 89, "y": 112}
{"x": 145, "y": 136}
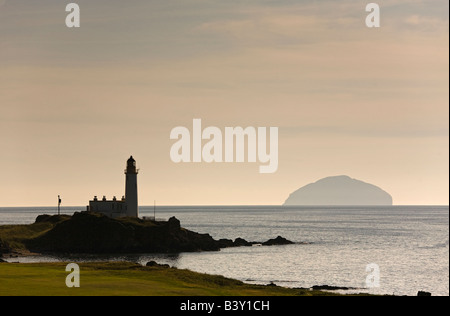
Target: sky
{"x": 75, "y": 103}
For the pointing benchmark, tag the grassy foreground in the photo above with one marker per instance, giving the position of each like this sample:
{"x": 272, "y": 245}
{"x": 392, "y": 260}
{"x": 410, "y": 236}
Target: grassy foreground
{"x": 125, "y": 278}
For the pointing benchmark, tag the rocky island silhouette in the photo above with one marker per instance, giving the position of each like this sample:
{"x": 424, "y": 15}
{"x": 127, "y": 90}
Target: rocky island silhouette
{"x": 339, "y": 190}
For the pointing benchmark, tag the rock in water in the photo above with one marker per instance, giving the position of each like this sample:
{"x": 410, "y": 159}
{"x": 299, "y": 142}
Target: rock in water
{"x": 151, "y": 264}
{"x": 277, "y": 241}
{"x": 339, "y": 190}
{"x": 155, "y": 264}
{"x": 240, "y": 242}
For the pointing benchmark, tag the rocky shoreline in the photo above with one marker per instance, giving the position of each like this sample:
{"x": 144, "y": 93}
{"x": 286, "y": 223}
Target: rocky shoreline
{"x": 89, "y": 232}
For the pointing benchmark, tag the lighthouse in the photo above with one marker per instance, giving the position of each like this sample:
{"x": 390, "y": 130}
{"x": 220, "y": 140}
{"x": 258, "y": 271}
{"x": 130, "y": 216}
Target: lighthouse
{"x": 131, "y": 193}
{"x": 128, "y": 205}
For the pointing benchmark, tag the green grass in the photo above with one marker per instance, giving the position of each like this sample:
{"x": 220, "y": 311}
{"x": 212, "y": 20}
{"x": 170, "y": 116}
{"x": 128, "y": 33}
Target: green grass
{"x": 125, "y": 278}
{"x": 16, "y": 235}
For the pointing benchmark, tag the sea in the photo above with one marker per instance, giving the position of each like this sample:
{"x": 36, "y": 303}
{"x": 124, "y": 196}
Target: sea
{"x": 397, "y": 250}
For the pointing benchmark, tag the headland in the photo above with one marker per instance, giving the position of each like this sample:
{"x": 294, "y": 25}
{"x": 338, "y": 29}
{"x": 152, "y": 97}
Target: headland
{"x": 90, "y": 232}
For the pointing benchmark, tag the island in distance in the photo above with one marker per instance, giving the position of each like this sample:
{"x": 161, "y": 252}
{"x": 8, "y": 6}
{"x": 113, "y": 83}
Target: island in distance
{"x": 339, "y": 190}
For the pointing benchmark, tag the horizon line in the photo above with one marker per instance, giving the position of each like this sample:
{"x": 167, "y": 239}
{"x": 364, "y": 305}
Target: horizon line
{"x": 229, "y": 205}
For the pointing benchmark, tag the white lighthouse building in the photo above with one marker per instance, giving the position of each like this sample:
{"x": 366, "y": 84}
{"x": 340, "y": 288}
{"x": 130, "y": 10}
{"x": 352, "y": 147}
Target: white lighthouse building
{"x": 128, "y": 205}
{"x": 131, "y": 193}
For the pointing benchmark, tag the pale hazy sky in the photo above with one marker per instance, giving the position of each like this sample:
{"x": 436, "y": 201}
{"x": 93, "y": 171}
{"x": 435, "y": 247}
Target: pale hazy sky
{"x": 76, "y": 103}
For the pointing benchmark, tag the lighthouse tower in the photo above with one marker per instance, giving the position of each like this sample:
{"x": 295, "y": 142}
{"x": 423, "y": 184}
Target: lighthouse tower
{"x": 131, "y": 194}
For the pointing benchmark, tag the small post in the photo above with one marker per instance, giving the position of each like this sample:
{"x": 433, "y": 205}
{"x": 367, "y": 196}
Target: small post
{"x": 59, "y": 203}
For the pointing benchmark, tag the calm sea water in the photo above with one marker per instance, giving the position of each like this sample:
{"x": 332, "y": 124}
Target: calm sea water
{"x": 409, "y": 244}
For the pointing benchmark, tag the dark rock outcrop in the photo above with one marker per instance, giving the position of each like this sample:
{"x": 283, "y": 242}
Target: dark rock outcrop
{"x": 173, "y": 224}
{"x": 423, "y": 293}
{"x": 89, "y": 232}
{"x": 4, "y": 248}
{"x": 240, "y": 242}
{"x": 155, "y": 264}
{"x": 151, "y": 264}
{"x": 277, "y": 241}
{"x": 225, "y": 243}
